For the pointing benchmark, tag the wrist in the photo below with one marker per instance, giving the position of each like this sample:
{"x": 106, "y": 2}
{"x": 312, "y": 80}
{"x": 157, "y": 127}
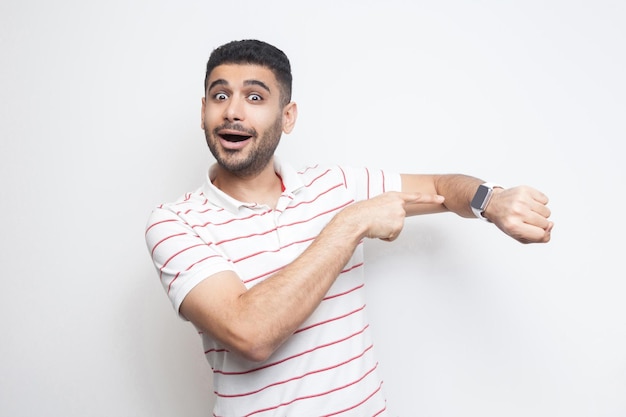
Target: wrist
{"x": 348, "y": 224}
{"x": 482, "y": 198}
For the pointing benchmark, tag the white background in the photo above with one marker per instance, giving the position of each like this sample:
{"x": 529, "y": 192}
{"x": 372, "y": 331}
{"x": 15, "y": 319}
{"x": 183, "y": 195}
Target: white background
{"x": 100, "y": 121}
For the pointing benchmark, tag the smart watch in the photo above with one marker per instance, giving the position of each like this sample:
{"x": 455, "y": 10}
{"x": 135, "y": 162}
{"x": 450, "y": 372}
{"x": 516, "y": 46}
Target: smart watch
{"x": 481, "y": 199}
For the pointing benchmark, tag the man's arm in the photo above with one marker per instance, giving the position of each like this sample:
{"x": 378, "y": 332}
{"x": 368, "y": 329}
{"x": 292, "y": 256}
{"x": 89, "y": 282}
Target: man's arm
{"x": 520, "y": 212}
{"x": 257, "y": 321}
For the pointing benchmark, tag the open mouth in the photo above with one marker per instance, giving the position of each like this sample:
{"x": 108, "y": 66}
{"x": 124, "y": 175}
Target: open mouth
{"x": 232, "y": 137}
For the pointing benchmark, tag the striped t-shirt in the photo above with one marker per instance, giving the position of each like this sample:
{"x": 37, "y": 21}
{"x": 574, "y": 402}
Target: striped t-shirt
{"x": 327, "y": 367}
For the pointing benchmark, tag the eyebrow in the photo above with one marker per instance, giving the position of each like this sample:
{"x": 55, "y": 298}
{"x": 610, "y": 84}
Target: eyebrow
{"x": 222, "y": 81}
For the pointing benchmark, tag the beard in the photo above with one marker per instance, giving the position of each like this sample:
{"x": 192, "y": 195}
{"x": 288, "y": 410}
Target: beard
{"x": 259, "y": 151}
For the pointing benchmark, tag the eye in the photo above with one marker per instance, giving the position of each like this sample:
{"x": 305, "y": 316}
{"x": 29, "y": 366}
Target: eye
{"x": 255, "y": 97}
{"x": 220, "y": 96}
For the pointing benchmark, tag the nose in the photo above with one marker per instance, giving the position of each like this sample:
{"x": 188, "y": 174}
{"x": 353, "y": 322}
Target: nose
{"x": 234, "y": 111}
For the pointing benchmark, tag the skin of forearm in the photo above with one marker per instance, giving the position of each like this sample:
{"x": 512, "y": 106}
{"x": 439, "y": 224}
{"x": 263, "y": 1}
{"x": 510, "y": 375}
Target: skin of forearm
{"x": 458, "y": 190}
{"x": 286, "y": 299}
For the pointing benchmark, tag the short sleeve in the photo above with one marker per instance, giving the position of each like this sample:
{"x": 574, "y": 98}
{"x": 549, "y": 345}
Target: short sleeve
{"x": 366, "y": 183}
{"x": 181, "y": 257}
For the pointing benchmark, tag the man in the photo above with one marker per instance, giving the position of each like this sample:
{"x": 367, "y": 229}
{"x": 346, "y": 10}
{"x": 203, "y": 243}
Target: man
{"x": 267, "y": 261}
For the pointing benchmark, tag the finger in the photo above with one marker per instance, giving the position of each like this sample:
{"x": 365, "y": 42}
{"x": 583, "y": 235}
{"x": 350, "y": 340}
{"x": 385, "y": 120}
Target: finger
{"x": 392, "y": 236}
{"x": 420, "y": 198}
{"x": 547, "y": 233}
{"x": 540, "y": 197}
{"x": 538, "y": 220}
{"x": 532, "y": 234}
{"x": 539, "y": 214}
{"x": 535, "y": 233}
{"x": 541, "y": 209}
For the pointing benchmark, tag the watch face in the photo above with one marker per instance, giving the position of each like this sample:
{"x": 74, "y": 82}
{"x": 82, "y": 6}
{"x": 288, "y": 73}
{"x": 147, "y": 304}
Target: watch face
{"x": 478, "y": 202}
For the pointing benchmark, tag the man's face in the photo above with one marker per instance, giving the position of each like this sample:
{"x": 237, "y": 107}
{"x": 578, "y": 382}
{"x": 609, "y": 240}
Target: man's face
{"x": 242, "y": 117}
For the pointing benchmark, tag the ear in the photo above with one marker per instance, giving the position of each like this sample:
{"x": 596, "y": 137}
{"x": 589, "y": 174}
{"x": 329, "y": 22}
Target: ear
{"x": 202, "y": 113}
{"x": 290, "y": 114}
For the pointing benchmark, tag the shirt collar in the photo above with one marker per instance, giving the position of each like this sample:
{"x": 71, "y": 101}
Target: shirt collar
{"x": 291, "y": 181}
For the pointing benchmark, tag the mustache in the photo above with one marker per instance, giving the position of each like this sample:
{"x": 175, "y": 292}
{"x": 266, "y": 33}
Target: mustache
{"x": 237, "y": 127}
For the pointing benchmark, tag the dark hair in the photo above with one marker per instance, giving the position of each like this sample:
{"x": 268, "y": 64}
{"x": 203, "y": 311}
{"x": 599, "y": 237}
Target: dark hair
{"x": 251, "y": 51}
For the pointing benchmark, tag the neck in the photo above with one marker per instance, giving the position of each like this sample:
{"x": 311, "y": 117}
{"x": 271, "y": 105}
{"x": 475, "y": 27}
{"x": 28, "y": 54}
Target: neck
{"x": 263, "y": 188}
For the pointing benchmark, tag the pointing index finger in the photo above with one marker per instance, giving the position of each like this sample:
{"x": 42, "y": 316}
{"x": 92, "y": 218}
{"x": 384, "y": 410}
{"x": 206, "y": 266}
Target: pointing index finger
{"x": 419, "y": 198}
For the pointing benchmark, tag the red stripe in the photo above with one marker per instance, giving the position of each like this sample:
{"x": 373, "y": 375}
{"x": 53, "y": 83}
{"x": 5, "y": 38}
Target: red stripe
{"x": 233, "y": 220}
{"x": 382, "y": 174}
{"x": 158, "y": 223}
{"x": 213, "y": 208}
{"x": 345, "y": 181}
{"x": 316, "y": 197}
{"x": 320, "y": 394}
{"x": 295, "y": 378}
{"x": 317, "y": 178}
{"x": 308, "y": 169}
{"x": 306, "y": 352}
{"x": 263, "y": 275}
{"x": 164, "y": 239}
{"x": 178, "y": 253}
{"x": 330, "y": 320}
{"x": 169, "y": 287}
{"x": 343, "y": 293}
{"x": 206, "y": 200}
{"x": 319, "y": 214}
{"x": 273, "y": 251}
{"x": 281, "y": 267}
{"x": 359, "y": 404}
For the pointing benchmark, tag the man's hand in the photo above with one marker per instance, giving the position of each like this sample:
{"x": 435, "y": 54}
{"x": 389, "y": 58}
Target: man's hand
{"x": 382, "y": 217}
{"x": 522, "y": 213}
